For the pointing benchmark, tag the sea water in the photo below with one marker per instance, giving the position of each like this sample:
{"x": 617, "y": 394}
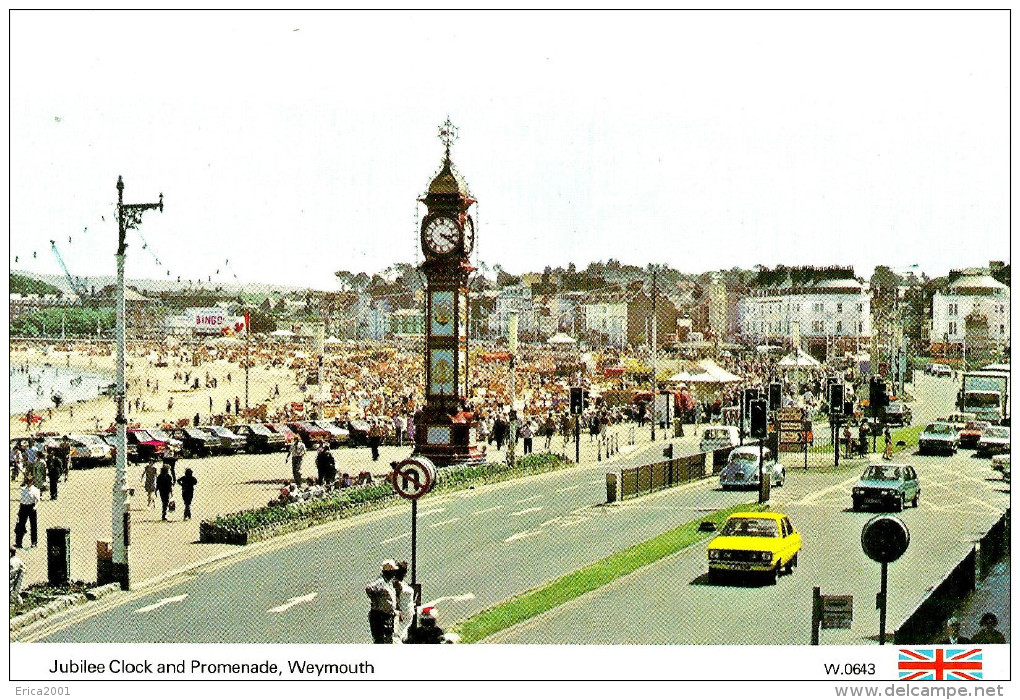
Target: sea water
{"x": 34, "y": 388}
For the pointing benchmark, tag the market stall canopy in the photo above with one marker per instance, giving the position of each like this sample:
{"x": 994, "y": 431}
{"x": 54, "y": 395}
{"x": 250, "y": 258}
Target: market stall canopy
{"x": 799, "y": 359}
{"x": 332, "y": 340}
{"x": 718, "y": 373}
{"x": 561, "y": 339}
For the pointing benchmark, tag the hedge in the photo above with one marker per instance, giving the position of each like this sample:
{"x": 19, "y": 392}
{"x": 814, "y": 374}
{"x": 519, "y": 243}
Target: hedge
{"x": 258, "y": 524}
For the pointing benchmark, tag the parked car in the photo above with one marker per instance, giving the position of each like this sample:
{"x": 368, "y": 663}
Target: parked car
{"x": 754, "y": 542}
{"x": 995, "y": 440}
{"x": 741, "y": 470}
{"x": 959, "y": 420}
{"x": 887, "y": 487}
{"x": 259, "y": 438}
{"x": 173, "y": 445}
{"x": 111, "y": 440}
{"x": 310, "y": 434}
{"x": 148, "y": 448}
{"x": 971, "y": 432}
{"x": 358, "y": 431}
{"x": 939, "y": 370}
{"x": 337, "y": 435}
{"x": 90, "y": 450}
{"x": 897, "y": 413}
{"x": 938, "y": 438}
{"x": 289, "y": 435}
{"x": 230, "y": 444}
{"x": 718, "y": 438}
{"x": 196, "y": 443}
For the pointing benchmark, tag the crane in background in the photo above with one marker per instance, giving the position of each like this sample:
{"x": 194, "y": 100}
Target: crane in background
{"x": 76, "y": 285}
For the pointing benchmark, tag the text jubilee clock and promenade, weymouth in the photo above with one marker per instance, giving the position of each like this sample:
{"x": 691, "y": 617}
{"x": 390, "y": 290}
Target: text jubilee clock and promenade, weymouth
{"x": 446, "y": 432}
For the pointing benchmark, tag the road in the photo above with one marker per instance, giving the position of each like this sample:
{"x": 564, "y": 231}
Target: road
{"x": 481, "y": 546}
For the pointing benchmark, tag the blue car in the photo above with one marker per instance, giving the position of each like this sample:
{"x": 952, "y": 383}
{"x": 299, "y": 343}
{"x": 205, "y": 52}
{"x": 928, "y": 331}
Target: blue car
{"x": 887, "y": 487}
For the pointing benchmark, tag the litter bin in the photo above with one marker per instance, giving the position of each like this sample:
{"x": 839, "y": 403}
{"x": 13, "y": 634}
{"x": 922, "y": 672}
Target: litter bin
{"x": 678, "y": 427}
{"x": 58, "y": 555}
{"x": 611, "y": 487}
{"x": 104, "y": 562}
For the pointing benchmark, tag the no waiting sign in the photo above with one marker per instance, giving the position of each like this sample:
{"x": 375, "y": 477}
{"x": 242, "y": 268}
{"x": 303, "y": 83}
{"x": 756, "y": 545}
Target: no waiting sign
{"x": 413, "y": 477}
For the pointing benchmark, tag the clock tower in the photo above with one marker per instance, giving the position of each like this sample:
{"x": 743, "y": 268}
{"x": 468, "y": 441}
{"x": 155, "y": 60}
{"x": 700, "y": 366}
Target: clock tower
{"x": 447, "y": 430}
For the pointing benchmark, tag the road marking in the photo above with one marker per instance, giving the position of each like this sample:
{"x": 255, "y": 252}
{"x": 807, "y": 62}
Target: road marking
{"x": 569, "y": 488}
{"x": 580, "y": 510}
{"x": 528, "y": 500}
{"x": 522, "y": 535}
{"x": 526, "y": 511}
{"x": 160, "y": 604}
{"x": 394, "y": 539}
{"x": 487, "y": 510}
{"x": 451, "y": 598}
{"x": 812, "y": 497}
{"x": 430, "y": 512}
{"x": 444, "y": 522}
{"x": 549, "y": 522}
{"x": 297, "y": 600}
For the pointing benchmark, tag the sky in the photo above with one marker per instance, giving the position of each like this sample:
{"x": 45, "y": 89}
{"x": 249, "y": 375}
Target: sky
{"x": 295, "y": 144}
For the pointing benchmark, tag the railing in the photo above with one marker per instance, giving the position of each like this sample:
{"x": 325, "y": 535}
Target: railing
{"x": 661, "y": 475}
{"x": 928, "y": 618}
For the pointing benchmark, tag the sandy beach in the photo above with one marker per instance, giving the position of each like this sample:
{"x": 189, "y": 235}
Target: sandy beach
{"x": 154, "y": 387}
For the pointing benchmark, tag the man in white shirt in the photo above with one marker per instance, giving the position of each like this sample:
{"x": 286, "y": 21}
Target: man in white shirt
{"x": 382, "y": 594}
{"x": 297, "y": 454}
{"x": 17, "y": 576}
{"x": 30, "y": 496}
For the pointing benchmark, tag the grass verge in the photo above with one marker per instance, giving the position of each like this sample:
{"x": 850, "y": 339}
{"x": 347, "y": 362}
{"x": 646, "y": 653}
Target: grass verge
{"x": 587, "y": 579}
{"x": 908, "y": 435}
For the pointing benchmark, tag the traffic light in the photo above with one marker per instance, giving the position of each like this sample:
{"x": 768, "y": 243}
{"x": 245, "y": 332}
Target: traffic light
{"x": 576, "y": 400}
{"x": 775, "y": 395}
{"x": 877, "y": 396}
{"x": 759, "y": 420}
{"x": 836, "y": 399}
{"x": 750, "y": 394}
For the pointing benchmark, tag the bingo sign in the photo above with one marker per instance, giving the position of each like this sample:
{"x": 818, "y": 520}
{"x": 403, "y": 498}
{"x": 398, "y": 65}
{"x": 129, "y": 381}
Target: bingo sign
{"x": 214, "y": 321}
{"x": 413, "y": 478}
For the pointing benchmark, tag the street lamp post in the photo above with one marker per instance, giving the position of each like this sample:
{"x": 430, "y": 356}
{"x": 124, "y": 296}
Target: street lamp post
{"x": 128, "y": 216}
{"x": 655, "y": 377}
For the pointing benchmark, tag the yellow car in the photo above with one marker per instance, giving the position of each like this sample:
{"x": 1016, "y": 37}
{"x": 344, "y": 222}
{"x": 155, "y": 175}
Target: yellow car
{"x": 754, "y": 542}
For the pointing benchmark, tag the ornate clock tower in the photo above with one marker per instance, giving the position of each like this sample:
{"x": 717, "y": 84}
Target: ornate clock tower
{"x": 447, "y": 431}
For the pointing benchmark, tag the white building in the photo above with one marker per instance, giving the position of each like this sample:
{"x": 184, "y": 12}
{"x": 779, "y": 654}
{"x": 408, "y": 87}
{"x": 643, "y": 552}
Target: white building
{"x": 834, "y": 315}
{"x": 607, "y": 318}
{"x": 974, "y": 291}
{"x": 515, "y": 298}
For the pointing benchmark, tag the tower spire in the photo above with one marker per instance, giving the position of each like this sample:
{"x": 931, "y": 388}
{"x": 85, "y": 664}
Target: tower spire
{"x": 448, "y": 134}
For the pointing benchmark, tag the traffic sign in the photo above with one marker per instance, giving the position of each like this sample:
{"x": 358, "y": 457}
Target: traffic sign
{"x": 837, "y": 611}
{"x": 885, "y": 538}
{"x": 413, "y": 477}
{"x": 790, "y": 413}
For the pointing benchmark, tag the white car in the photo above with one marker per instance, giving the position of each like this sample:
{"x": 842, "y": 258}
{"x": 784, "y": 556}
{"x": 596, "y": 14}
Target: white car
{"x": 939, "y": 370}
{"x": 718, "y": 438}
{"x": 741, "y": 470}
{"x": 1000, "y": 463}
{"x": 994, "y": 440}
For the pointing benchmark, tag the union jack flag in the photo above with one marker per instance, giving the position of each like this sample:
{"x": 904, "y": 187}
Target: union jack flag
{"x": 940, "y": 665}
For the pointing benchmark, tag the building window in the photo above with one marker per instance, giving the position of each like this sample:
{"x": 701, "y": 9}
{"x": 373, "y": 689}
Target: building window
{"x": 952, "y": 328}
{"x": 819, "y": 306}
{"x": 839, "y": 308}
{"x": 860, "y": 327}
{"x": 818, "y": 326}
{"x": 1002, "y": 330}
{"x": 954, "y": 310}
{"x": 860, "y": 308}
{"x": 839, "y": 326}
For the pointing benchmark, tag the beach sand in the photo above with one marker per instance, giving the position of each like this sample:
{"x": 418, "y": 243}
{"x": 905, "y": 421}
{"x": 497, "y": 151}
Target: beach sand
{"x": 98, "y": 414}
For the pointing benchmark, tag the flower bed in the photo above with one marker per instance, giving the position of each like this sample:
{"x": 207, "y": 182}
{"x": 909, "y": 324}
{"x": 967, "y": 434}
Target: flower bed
{"x": 248, "y": 526}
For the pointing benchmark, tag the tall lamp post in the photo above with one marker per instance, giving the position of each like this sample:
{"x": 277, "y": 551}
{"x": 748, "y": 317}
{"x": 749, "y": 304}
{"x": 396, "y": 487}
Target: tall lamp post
{"x": 129, "y": 216}
{"x": 655, "y": 349}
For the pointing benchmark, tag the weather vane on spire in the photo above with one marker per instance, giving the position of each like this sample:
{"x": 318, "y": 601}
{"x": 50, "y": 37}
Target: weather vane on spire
{"x": 447, "y": 133}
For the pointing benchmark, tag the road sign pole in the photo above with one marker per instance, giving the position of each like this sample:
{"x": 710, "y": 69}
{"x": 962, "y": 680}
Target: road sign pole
{"x": 816, "y": 614}
{"x": 761, "y": 470}
{"x": 577, "y": 439}
{"x": 414, "y": 542}
{"x": 835, "y": 436}
{"x": 882, "y": 603}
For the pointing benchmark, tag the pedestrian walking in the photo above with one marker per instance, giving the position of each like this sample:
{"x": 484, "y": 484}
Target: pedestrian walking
{"x": 375, "y": 433}
{"x": 847, "y": 441}
{"x": 210, "y": 404}
{"x": 296, "y": 454}
{"x": 165, "y": 487}
{"x": 187, "y": 483}
{"x": 237, "y": 405}
{"x": 527, "y": 433}
{"x": 887, "y": 436}
{"x": 30, "y": 498}
{"x": 382, "y": 596}
{"x": 398, "y": 429}
{"x": 550, "y": 430}
{"x": 862, "y": 438}
{"x": 17, "y": 460}
{"x": 17, "y": 576}
{"x": 149, "y": 483}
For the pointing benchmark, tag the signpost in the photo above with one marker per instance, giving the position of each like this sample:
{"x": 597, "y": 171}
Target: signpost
{"x": 412, "y": 478}
{"x": 884, "y": 539}
{"x": 793, "y": 429}
{"x": 830, "y": 612}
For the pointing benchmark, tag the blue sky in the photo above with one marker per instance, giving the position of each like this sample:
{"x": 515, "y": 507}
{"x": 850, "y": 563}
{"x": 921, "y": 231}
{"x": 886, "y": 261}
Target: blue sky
{"x": 295, "y": 144}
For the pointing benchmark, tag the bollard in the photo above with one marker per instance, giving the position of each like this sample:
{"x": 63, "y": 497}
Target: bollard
{"x": 610, "y": 488}
{"x": 58, "y": 555}
{"x": 600, "y": 449}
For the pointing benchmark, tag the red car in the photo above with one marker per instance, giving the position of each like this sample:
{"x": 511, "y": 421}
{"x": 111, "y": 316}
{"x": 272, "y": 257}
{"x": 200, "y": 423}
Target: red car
{"x": 310, "y": 434}
{"x": 289, "y": 435}
{"x": 971, "y": 432}
{"x": 149, "y": 449}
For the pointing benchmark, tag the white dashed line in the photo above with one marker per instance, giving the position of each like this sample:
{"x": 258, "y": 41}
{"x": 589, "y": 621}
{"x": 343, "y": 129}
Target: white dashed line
{"x": 522, "y": 535}
{"x": 394, "y": 539}
{"x": 526, "y": 511}
{"x": 569, "y": 488}
{"x": 444, "y": 522}
{"x": 487, "y": 510}
{"x": 528, "y": 500}
{"x": 431, "y": 512}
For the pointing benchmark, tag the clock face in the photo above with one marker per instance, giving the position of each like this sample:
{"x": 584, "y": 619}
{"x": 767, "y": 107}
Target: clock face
{"x": 469, "y": 236}
{"x": 441, "y": 236}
